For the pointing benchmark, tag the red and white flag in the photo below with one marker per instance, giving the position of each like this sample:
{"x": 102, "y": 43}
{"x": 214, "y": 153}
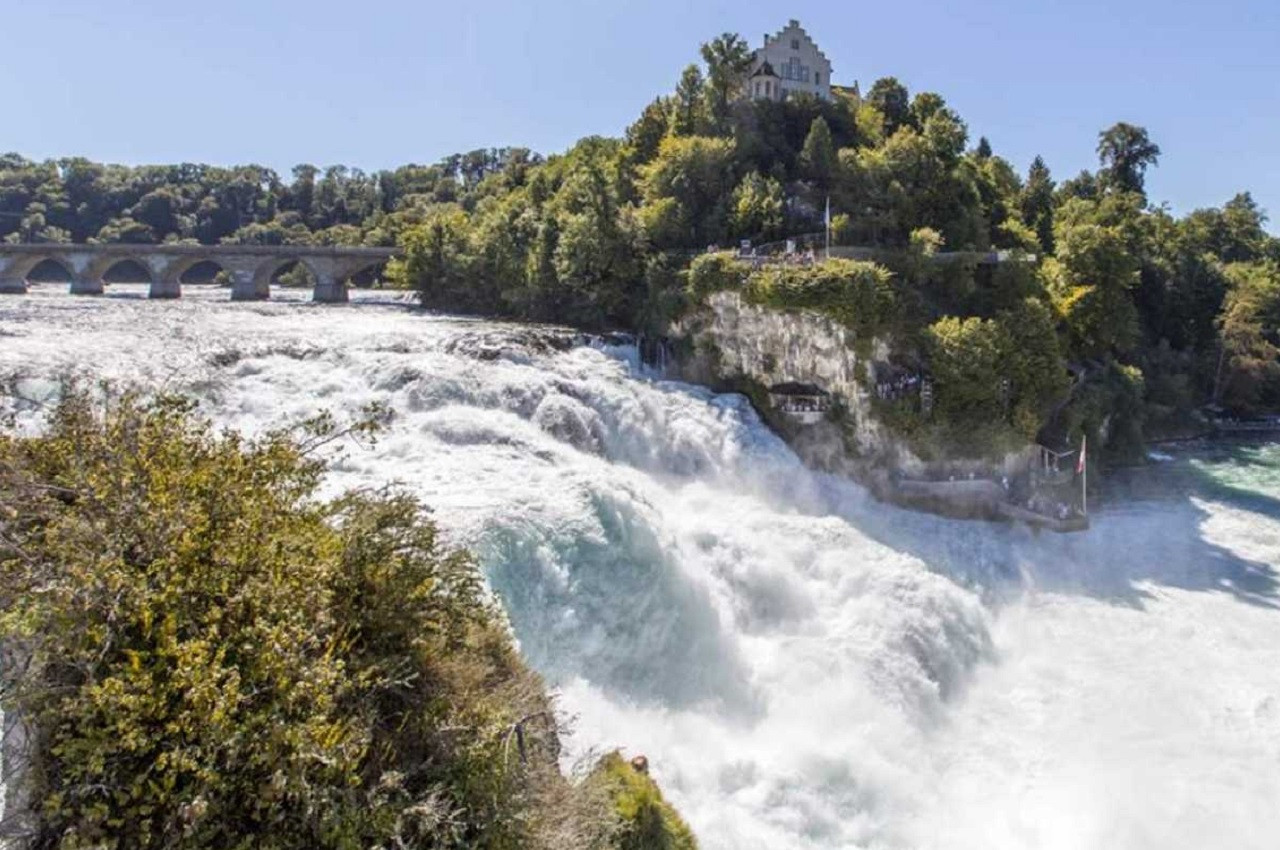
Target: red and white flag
{"x": 1080, "y": 463}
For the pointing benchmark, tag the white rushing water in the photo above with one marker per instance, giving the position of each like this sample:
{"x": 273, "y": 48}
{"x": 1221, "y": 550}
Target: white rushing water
{"x": 804, "y": 667}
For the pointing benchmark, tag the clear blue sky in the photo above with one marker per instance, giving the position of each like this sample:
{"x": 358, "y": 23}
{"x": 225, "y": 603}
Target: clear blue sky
{"x": 383, "y": 82}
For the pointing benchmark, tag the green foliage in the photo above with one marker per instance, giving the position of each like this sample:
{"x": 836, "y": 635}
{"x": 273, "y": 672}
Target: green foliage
{"x": 1093, "y": 272}
{"x": 1035, "y": 203}
{"x": 966, "y": 357}
{"x": 686, "y": 190}
{"x": 437, "y": 261}
{"x": 857, "y": 294}
{"x": 1006, "y": 370}
{"x": 1033, "y": 364}
{"x": 213, "y": 656}
{"x": 818, "y": 156}
{"x": 757, "y": 208}
{"x": 1126, "y": 152}
{"x": 1250, "y": 370}
{"x": 77, "y": 200}
{"x": 648, "y": 821}
{"x": 688, "y": 116}
{"x": 728, "y": 61}
{"x": 717, "y": 272}
{"x": 890, "y": 99}
{"x": 1109, "y": 409}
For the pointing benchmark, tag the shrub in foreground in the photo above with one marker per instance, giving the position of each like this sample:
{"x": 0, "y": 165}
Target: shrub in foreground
{"x": 206, "y": 654}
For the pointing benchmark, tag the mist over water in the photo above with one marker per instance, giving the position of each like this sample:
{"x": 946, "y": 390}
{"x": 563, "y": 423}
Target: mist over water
{"x": 804, "y": 667}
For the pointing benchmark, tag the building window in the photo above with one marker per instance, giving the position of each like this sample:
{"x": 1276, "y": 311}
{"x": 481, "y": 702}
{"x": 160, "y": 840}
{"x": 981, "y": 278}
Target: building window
{"x": 793, "y": 70}
{"x": 817, "y": 78}
{"x": 795, "y": 44}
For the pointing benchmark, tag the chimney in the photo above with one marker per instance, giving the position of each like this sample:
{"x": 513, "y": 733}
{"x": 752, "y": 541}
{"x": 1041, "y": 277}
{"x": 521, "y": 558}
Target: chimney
{"x": 793, "y": 23}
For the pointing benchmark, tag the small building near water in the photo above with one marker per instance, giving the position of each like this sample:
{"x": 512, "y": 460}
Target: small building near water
{"x": 806, "y": 404}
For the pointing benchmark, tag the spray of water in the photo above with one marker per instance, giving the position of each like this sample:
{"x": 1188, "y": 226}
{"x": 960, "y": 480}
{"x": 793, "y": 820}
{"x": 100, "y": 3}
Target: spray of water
{"x": 804, "y": 668}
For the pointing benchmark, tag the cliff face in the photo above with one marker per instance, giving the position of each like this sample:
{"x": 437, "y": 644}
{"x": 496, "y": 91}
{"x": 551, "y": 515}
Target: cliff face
{"x": 731, "y": 344}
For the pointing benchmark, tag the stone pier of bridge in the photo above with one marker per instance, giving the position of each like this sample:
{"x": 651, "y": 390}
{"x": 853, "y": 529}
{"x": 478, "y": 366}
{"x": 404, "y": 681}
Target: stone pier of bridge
{"x": 250, "y": 267}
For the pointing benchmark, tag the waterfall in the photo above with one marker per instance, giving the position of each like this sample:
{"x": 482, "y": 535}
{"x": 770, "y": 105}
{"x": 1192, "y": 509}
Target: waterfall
{"x": 804, "y": 667}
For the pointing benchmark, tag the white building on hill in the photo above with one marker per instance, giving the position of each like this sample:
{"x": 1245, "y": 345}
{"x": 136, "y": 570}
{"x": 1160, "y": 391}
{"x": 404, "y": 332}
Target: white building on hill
{"x": 789, "y": 63}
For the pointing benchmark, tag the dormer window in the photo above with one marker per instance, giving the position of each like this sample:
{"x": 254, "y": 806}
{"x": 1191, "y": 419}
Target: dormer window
{"x": 795, "y": 44}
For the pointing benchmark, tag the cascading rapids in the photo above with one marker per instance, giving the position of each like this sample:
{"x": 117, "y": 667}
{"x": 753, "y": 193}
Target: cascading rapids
{"x": 793, "y": 658}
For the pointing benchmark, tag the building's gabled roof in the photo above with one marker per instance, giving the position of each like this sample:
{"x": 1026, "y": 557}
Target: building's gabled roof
{"x": 765, "y": 70}
{"x": 794, "y": 24}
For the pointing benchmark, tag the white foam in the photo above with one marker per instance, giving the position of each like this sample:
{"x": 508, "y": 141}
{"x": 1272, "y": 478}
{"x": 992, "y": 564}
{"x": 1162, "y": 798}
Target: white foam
{"x": 803, "y": 667}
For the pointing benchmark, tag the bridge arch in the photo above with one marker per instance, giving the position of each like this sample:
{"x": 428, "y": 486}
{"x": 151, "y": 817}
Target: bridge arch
{"x": 101, "y": 268}
{"x": 197, "y": 271}
{"x": 128, "y": 270}
{"x": 43, "y": 268}
{"x": 271, "y": 267}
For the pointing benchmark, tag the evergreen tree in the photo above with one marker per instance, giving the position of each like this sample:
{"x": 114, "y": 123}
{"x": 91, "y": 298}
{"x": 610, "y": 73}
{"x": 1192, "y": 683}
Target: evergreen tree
{"x": 818, "y": 156}
{"x": 1036, "y": 203}
{"x": 687, "y": 114}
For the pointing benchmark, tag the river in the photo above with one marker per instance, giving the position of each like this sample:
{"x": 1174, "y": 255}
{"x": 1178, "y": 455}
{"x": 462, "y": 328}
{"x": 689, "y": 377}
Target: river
{"x": 804, "y": 667}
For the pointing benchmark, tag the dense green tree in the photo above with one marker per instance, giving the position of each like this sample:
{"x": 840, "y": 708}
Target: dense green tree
{"x": 1248, "y": 373}
{"x": 437, "y": 262}
{"x": 890, "y": 98}
{"x": 924, "y": 106}
{"x": 728, "y": 60}
{"x": 1126, "y": 152}
{"x": 1094, "y": 271}
{"x": 967, "y": 359}
{"x": 688, "y": 115}
{"x": 757, "y": 208}
{"x": 1035, "y": 203}
{"x": 818, "y": 156}
{"x": 1235, "y": 233}
{"x": 1033, "y": 364}
{"x": 686, "y": 191}
{"x": 647, "y": 132}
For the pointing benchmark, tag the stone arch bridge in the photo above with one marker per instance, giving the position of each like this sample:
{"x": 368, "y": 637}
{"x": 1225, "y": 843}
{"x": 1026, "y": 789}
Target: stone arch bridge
{"x": 251, "y": 267}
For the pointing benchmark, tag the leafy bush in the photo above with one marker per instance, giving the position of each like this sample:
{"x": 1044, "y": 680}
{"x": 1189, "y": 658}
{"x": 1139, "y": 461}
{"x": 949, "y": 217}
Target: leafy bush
{"x": 648, "y": 821}
{"x": 211, "y": 656}
{"x": 717, "y": 272}
{"x": 855, "y": 293}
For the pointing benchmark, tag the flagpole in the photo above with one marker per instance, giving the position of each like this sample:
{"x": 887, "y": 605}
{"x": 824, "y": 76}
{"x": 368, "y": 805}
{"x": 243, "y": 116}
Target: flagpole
{"x": 828, "y": 228}
{"x": 1084, "y": 487}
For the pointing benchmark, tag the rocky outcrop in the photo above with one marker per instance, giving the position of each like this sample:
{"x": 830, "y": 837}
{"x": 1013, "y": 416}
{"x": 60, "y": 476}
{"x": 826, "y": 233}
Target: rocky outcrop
{"x": 731, "y": 344}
